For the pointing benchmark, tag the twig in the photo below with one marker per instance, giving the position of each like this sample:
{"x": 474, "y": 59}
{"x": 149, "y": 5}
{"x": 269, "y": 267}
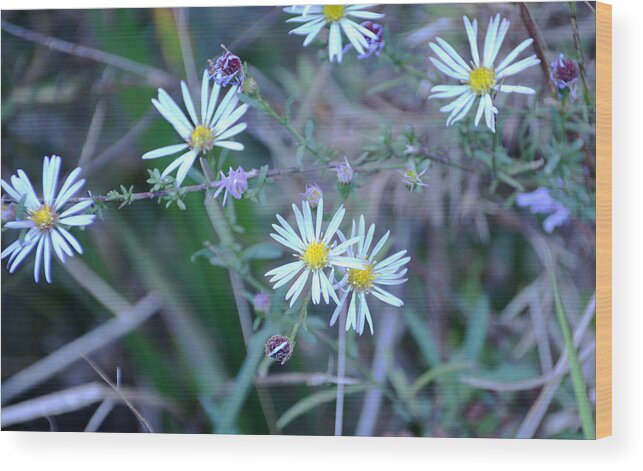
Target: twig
{"x": 540, "y": 47}
{"x": 155, "y": 77}
{"x": 119, "y": 393}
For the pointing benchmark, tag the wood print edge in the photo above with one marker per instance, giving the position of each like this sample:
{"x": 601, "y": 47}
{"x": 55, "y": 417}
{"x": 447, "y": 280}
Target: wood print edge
{"x": 603, "y": 220}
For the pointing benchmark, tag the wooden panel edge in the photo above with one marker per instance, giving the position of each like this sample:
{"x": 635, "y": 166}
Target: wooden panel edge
{"x": 603, "y": 220}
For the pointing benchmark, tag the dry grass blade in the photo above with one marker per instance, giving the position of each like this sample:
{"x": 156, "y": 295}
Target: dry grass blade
{"x": 154, "y": 76}
{"x": 120, "y": 394}
{"x": 92, "y": 341}
{"x": 69, "y": 400}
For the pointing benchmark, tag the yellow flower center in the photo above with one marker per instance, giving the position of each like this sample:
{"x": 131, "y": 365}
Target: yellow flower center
{"x": 482, "y": 80}
{"x": 333, "y": 12}
{"x": 361, "y": 280}
{"x": 44, "y": 217}
{"x": 315, "y": 256}
{"x": 202, "y": 138}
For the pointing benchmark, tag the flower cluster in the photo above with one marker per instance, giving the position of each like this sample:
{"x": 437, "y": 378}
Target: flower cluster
{"x": 483, "y": 78}
{"x": 323, "y": 253}
{"x": 338, "y": 19}
{"x": 213, "y": 127}
{"x": 47, "y": 220}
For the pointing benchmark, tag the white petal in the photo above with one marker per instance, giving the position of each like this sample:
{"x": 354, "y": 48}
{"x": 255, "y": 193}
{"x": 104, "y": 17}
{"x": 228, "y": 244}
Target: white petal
{"x": 490, "y": 40}
{"x": 472, "y": 34}
{"x": 513, "y": 54}
{"x": 448, "y": 71}
{"x": 515, "y": 89}
{"x": 232, "y": 145}
{"x": 47, "y": 257}
{"x": 187, "y": 99}
{"x": 334, "y": 225}
{"x": 335, "y": 43}
{"x": 70, "y": 238}
{"x": 185, "y": 167}
{"x": 79, "y": 220}
{"x": 449, "y": 61}
{"x": 386, "y": 297}
{"x": 316, "y": 292}
{"x": 164, "y": 151}
{"x": 77, "y": 208}
{"x": 339, "y": 307}
{"x": 69, "y": 181}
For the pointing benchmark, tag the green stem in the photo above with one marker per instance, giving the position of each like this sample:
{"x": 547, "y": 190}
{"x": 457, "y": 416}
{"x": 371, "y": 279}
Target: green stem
{"x": 584, "y": 410}
{"x": 286, "y": 124}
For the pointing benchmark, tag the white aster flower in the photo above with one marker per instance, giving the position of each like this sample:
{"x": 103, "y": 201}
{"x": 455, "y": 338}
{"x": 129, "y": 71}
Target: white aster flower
{"x": 315, "y": 251}
{"x": 481, "y": 78}
{"x": 214, "y": 127}
{"x": 337, "y": 18}
{"x": 359, "y": 283}
{"x": 45, "y": 220}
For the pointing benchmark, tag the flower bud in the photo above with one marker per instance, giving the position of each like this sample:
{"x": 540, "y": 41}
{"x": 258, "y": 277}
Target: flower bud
{"x": 313, "y": 194}
{"x": 261, "y": 302}
{"x": 344, "y": 172}
{"x": 226, "y": 69}
{"x": 279, "y": 348}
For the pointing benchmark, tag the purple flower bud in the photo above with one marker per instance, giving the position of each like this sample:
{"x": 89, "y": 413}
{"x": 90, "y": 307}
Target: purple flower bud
{"x": 564, "y": 75}
{"x": 313, "y": 194}
{"x": 261, "y": 302}
{"x": 235, "y": 184}
{"x": 279, "y": 348}
{"x": 344, "y": 172}
{"x": 226, "y": 69}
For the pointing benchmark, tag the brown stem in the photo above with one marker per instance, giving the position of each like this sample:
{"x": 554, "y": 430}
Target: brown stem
{"x": 540, "y": 47}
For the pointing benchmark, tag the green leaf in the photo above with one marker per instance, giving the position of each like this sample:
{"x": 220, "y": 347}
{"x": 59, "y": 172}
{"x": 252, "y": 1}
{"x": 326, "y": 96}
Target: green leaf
{"x": 261, "y": 251}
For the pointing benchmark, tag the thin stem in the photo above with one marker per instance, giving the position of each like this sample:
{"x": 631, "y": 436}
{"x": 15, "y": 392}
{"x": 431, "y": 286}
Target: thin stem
{"x": 341, "y": 373}
{"x": 540, "y": 47}
{"x": 584, "y": 410}
{"x": 303, "y": 312}
{"x": 579, "y": 52}
{"x": 286, "y": 124}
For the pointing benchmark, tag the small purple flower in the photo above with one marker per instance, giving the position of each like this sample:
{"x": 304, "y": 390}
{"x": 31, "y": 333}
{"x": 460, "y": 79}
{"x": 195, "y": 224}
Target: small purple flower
{"x": 540, "y": 201}
{"x": 261, "y": 302}
{"x": 8, "y": 211}
{"x": 374, "y": 45}
{"x": 312, "y": 194}
{"x": 564, "y": 75}
{"x": 344, "y": 172}
{"x": 226, "y": 69}
{"x": 411, "y": 178}
{"x": 235, "y": 184}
